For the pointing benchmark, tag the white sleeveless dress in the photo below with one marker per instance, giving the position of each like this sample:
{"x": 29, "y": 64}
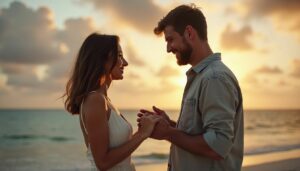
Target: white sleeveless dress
{"x": 120, "y": 131}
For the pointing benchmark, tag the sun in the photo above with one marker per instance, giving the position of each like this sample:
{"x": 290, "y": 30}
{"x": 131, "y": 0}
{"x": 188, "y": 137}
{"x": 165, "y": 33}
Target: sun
{"x": 180, "y": 81}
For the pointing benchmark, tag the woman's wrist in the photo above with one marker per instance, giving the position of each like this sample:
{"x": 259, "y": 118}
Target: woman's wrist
{"x": 142, "y": 135}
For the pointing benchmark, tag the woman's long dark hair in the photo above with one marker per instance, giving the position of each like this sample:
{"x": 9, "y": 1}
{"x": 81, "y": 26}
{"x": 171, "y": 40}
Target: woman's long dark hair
{"x": 95, "y": 53}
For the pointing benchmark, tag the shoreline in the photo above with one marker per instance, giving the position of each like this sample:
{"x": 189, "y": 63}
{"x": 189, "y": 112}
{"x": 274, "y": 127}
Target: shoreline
{"x": 275, "y": 161}
{"x": 258, "y": 159}
{"x": 283, "y": 165}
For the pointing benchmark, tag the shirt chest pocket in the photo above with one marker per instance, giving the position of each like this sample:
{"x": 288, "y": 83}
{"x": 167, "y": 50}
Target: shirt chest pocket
{"x": 187, "y": 115}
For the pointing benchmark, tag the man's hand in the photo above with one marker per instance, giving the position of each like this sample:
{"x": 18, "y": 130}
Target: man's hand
{"x": 161, "y": 130}
{"x": 162, "y": 127}
{"x": 157, "y": 111}
{"x": 161, "y": 113}
{"x": 164, "y": 115}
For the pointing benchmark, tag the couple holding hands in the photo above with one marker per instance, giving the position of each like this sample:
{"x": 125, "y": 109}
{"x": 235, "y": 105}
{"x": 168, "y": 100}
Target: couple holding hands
{"x": 208, "y": 134}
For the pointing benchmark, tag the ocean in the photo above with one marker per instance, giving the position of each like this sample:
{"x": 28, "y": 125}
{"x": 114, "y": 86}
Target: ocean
{"x": 32, "y": 140}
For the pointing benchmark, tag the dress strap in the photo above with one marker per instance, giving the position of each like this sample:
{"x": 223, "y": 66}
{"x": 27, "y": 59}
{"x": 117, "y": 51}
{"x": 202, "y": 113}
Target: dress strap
{"x": 81, "y": 117}
{"x": 81, "y": 114}
{"x": 111, "y": 106}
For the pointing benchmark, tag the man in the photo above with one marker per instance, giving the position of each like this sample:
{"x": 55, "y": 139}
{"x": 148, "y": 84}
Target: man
{"x": 208, "y": 135}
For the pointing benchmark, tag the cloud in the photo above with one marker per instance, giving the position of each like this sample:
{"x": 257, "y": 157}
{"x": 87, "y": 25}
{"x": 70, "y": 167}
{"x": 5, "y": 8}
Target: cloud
{"x": 162, "y": 79}
{"x": 285, "y": 15}
{"x": 13, "y": 68}
{"x": 167, "y": 71}
{"x": 258, "y": 76}
{"x": 74, "y": 32}
{"x": 72, "y": 36}
{"x": 30, "y": 41}
{"x": 282, "y": 83}
{"x": 133, "y": 57}
{"x": 269, "y": 70}
{"x": 296, "y": 68}
{"x": 250, "y": 79}
{"x": 49, "y": 54}
{"x": 236, "y": 39}
{"x": 133, "y": 76}
{"x": 26, "y": 80}
{"x": 272, "y": 80}
{"x": 27, "y": 35}
{"x": 142, "y": 15}
{"x": 272, "y": 7}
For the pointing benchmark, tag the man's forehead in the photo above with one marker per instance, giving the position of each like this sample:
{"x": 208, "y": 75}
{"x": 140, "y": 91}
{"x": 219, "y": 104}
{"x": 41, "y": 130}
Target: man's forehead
{"x": 168, "y": 31}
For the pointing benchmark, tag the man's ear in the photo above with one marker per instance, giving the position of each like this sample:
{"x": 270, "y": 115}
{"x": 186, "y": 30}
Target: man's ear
{"x": 189, "y": 32}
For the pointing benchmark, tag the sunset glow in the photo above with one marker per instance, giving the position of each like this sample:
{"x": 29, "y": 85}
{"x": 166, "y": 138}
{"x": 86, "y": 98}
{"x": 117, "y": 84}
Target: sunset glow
{"x": 259, "y": 41}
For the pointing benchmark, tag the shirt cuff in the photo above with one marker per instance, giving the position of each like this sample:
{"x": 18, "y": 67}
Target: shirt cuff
{"x": 218, "y": 143}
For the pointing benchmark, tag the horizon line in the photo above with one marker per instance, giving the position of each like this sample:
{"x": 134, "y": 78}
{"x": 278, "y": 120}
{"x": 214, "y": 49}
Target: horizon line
{"x": 248, "y": 109}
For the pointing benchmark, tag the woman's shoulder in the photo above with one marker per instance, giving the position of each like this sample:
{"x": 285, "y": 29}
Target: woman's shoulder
{"x": 95, "y": 100}
{"x": 96, "y": 108}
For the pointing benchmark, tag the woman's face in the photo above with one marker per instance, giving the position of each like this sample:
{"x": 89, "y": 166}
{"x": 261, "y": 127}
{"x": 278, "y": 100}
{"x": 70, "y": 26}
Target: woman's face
{"x": 117, "y": 71}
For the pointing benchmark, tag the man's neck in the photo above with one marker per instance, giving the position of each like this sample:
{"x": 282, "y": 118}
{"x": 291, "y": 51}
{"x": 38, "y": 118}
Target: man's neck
{"x": 200, "y": 52}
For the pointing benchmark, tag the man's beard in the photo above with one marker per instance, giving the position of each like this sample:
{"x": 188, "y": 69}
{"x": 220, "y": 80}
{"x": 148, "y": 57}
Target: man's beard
{"x": 185, "y": 54}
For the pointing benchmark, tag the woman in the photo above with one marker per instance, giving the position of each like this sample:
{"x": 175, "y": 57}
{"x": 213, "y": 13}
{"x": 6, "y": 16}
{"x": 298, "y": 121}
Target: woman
{"x": 108, "y": 136}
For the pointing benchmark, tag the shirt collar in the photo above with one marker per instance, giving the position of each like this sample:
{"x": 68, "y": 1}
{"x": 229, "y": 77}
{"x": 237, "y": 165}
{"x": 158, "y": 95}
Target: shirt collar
{"x": 204, "y": 63}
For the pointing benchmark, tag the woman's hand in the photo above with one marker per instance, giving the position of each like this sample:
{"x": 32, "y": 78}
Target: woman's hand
{"x": 158, "y": 112}
{"x": 147, "y": 123}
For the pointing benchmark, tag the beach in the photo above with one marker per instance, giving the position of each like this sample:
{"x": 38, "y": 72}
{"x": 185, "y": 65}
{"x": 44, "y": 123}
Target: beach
{"x": 33, "y": 140}
{"x": 285, "y": 165}
{"x": 278, "y": 161}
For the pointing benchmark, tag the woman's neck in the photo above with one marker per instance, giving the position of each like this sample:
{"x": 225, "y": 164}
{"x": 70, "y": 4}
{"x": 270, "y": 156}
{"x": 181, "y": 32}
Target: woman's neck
{"x": 104, "y": 88}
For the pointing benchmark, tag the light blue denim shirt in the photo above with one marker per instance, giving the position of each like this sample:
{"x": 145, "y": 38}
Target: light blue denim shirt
{"x": 211, "y": 106}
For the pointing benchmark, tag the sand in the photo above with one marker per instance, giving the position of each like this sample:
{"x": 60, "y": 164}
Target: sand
{"x": 277, "y": 161}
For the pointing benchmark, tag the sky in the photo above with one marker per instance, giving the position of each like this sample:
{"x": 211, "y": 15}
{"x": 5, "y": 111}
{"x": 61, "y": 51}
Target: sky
{"x": 39, "y": 40}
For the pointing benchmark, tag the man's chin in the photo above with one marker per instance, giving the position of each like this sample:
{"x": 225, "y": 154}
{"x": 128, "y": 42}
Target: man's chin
{"x": 180, "y": 63}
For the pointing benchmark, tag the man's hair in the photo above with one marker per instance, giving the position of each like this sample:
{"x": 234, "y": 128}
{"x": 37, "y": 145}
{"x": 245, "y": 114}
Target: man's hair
{"x": 182, "y": 16}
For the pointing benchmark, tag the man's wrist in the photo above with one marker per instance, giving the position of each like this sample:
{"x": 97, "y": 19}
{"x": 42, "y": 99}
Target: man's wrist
{"x": 170, "y": 134}
{"x": 172, "y": 123}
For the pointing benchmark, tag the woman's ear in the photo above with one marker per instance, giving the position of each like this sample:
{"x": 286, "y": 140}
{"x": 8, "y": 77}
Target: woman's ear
{"x": 102, "y": 80}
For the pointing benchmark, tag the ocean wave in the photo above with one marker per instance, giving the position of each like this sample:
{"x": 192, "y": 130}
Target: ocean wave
{"x": 150, "y": 158}
{"x": 294, "y": 124}
{"x": 20, "y": 137}
{"x": 154, "y": 155}
{"x": 153, "y": 158}
{"x": 271, "y": 149}
{"x": 36, "y": 137}
{"x": 60, "y": 139}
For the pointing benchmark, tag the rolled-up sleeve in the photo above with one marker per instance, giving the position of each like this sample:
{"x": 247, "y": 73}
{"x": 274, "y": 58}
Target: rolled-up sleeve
{"x": 217, "y": 103}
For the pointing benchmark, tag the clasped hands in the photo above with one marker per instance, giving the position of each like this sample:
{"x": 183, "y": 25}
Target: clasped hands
{"x": 162, "y": 123}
